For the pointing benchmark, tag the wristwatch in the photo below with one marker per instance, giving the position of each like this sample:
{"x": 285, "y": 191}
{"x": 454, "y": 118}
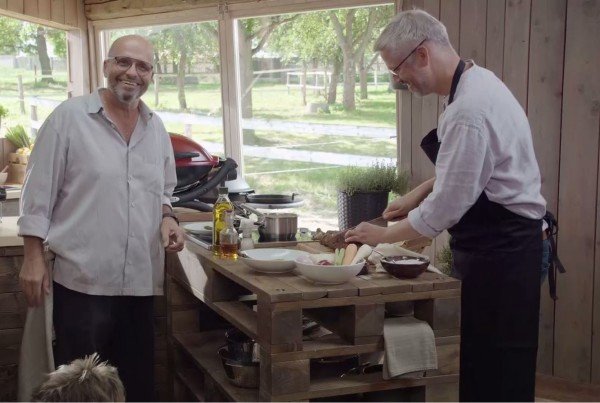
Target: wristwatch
{"x": 172, "y": 215}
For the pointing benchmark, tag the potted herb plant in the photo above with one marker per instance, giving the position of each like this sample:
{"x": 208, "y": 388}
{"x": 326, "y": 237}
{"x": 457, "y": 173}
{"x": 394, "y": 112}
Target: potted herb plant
{"x": 363, "y": 192}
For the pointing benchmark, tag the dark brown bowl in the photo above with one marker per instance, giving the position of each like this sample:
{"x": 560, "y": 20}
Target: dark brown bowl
{"x": 394, "y": 266}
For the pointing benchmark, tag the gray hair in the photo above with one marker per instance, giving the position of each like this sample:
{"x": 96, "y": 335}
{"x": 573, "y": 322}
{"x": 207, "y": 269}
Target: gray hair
{"x": 411, "y": 26}
{"x": 83, "y": 380}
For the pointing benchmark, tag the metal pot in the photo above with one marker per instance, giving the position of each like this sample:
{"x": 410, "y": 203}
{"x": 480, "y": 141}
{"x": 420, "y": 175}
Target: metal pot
{"x": 279, "y": 227}
{"x": 275, "y": 226}
{"x": 244, "y": 375}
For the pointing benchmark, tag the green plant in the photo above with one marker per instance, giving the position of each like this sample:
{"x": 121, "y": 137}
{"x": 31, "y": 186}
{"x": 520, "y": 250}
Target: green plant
{"x": 18, "y": 137}
{"x": 376, "y": 178}
{"x": 444, "y": 260}
{"x": 3, "y": 112}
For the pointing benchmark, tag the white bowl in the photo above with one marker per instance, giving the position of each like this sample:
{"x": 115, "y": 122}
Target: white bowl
{"x": 271, "y": 260}
{"x": 327, "y": 274}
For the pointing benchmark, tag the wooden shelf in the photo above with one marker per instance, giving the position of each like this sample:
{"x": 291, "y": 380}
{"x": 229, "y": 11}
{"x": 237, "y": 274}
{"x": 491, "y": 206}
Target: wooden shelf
{"x": 203, "y": 349}
{"x": 239, "y": 314}
{"x": 361, "y": 384}
{"x": 189, "y": 378}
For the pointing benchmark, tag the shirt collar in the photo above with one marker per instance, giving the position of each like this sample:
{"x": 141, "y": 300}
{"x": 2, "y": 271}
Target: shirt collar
{"x": 95, "y": 105}
{"x": 445, "y": 98}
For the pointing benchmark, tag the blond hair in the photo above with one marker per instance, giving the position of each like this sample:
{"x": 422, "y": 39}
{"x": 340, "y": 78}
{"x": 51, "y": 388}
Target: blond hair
{"x": 411, "y": 26}
{"x": 83, "y": 380}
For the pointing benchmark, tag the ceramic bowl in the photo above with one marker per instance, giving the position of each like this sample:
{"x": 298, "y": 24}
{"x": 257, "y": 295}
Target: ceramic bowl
{"x": 271, "y": 260}
{"x": 403, "y": 266}
{"x": 327, "y": 274}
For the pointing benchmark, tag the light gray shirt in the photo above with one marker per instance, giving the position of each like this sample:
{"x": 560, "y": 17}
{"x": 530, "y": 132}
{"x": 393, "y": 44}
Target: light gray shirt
{"x": 97, "y": 200}
{"x": 486, "y": 147}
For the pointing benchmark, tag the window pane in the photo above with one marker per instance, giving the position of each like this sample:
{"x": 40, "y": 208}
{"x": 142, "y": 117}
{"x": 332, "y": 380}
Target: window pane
{"x": 186, "y": 92}
{"x": 33, "y": 72}
{"x": 310, "y": 108}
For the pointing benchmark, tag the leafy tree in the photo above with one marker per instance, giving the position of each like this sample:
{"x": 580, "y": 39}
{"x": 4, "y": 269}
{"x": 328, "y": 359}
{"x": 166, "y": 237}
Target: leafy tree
{"x": 353, "y": 28}
{"x": 310, "y": 39}
{"x": 10, "y": 29}
{"x": 253, "y": 34}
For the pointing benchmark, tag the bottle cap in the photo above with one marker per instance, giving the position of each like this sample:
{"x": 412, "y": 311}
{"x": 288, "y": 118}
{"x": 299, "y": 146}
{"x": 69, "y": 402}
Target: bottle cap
{"x": 223, "y": 190}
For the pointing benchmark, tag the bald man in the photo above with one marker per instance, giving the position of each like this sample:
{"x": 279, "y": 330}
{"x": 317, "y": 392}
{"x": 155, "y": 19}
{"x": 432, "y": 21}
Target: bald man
{"x": 97, "y": 195}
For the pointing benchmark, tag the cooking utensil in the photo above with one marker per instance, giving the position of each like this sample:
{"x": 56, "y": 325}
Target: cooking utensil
{"x": 244, "y": 375}
{"x": 241, "y": 347}
{"x": 332, "y": 366}
{"x": 274, "y": 226}
{"x": 272, "y": 198}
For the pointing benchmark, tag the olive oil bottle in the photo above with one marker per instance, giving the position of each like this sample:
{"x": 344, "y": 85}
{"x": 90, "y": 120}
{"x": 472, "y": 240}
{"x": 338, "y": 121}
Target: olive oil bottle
{"x": 221, "y": 206}
{"x": 229, "y": 238}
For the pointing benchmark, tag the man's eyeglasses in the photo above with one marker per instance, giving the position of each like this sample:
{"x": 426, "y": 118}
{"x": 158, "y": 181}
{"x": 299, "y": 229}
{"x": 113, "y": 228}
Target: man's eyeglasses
{"x": 124, "y": 63}
{"x": 395, "y": 69}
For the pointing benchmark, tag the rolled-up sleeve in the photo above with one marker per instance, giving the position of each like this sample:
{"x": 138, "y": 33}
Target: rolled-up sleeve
{"x": 44, "y": 178}
{"x": 170, "y": 174}
{"x": 463, "y": 169}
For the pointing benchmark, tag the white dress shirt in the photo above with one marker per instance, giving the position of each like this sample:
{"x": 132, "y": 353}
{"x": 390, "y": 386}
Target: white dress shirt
{"x": 486, "y": 147}
{"x": 97, "y": 200}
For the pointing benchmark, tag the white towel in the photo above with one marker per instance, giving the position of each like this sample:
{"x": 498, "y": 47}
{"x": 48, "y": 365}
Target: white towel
{"x": 37, "y": 357}
{"x": 409, "y": 347}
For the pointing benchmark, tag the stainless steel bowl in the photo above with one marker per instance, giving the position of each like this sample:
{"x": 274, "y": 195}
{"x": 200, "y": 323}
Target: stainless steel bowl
{"x": 244, "y": 375}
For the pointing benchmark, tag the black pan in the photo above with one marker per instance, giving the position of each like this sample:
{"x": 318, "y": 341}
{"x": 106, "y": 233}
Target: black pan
{"x": 272, "y": 198}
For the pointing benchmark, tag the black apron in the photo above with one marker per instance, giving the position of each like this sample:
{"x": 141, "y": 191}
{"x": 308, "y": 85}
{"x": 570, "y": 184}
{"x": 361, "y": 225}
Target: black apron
{"x": 498, "y": 255}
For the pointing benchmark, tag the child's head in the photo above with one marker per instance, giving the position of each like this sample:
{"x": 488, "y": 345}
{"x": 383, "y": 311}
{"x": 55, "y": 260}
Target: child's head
{"x": 83, "y": 380}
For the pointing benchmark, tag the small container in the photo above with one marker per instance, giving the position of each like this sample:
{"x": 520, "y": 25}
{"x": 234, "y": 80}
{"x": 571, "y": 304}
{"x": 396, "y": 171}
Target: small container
{"x": 247, "y": 242}
{"x": 228, "y": 238}
{"x": 403, "y": 266}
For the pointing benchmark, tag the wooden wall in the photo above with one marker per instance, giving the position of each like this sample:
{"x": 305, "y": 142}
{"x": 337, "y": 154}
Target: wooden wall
{"x": 548, "y": 54}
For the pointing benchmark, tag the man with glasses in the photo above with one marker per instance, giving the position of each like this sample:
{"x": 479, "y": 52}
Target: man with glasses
{"x": 486, "y": 193}
{"x": 97, "y": 193}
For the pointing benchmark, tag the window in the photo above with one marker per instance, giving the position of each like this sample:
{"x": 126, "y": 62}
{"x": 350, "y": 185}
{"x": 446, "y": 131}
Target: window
{"x": 33, "y": 72}
{"x": 311, "y": 104}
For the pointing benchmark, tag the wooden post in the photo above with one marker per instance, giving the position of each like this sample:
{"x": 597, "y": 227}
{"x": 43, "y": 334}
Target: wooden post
{"x": 187, "y": 130}
{"x": 156, "y": 84}
{"x": 33, "y": 117}
{"x": 21, "y": 93}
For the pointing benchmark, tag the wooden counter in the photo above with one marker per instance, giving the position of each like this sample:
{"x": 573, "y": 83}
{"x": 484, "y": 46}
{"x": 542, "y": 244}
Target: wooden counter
{"x": 12, "y": 307}
{"x": 269, "y": 308}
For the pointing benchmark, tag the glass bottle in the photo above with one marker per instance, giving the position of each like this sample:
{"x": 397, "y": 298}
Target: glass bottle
{"x": 247, "y": 241}
{"x": 221, "y": 206}
{"x": 228, "y": 238}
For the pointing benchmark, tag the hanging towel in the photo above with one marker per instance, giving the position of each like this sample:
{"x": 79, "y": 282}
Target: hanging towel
{"x": 37, "y": 357}
{"x": 409, "y": 347}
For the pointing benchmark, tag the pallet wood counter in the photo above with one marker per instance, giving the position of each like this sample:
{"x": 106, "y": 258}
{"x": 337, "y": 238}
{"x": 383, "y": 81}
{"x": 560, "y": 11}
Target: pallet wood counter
{"x": 205, "y": 294}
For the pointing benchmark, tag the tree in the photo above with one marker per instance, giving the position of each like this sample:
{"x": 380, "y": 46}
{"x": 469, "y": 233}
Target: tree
{"x": 310, "y": 39}
{"x": 10, "y": 29}
{"x": 253, "y": 34}
{"x": 352, "y": 39}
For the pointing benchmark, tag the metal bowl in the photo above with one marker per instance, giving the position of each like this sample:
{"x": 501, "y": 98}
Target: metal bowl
{"x": 244, "y": 375}
{"x": 241, "y": 347}
{"x": 403, "y": 266}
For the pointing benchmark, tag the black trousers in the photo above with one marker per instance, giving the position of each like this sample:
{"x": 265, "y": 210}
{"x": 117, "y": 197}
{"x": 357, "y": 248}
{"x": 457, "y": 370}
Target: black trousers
{"x": 119, "y": 328}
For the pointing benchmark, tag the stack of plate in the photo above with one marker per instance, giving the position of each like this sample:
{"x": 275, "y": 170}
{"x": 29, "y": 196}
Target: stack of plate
{"x": 202, "y": 230}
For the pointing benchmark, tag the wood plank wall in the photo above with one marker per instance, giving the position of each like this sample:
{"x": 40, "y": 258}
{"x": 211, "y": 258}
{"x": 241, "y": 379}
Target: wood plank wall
{"x": 548, "y": 54}
{"x": 49, "y": 12}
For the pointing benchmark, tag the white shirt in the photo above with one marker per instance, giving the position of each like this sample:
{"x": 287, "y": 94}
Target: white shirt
{"x": 486, "y": 146}
{"x": 97, "y": 200}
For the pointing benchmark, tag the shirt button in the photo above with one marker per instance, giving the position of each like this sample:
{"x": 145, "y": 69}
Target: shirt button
{"x": 129, "y": 178}
{"x": 131, "y": 235}
{"x": 132, "y": 204}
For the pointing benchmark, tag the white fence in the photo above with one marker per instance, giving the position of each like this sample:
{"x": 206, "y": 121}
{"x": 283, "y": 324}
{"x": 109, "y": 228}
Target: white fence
{"x": 278, "y": 153}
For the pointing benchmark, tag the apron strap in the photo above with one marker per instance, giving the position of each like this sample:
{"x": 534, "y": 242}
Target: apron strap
{"x": 455, "y": 79}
